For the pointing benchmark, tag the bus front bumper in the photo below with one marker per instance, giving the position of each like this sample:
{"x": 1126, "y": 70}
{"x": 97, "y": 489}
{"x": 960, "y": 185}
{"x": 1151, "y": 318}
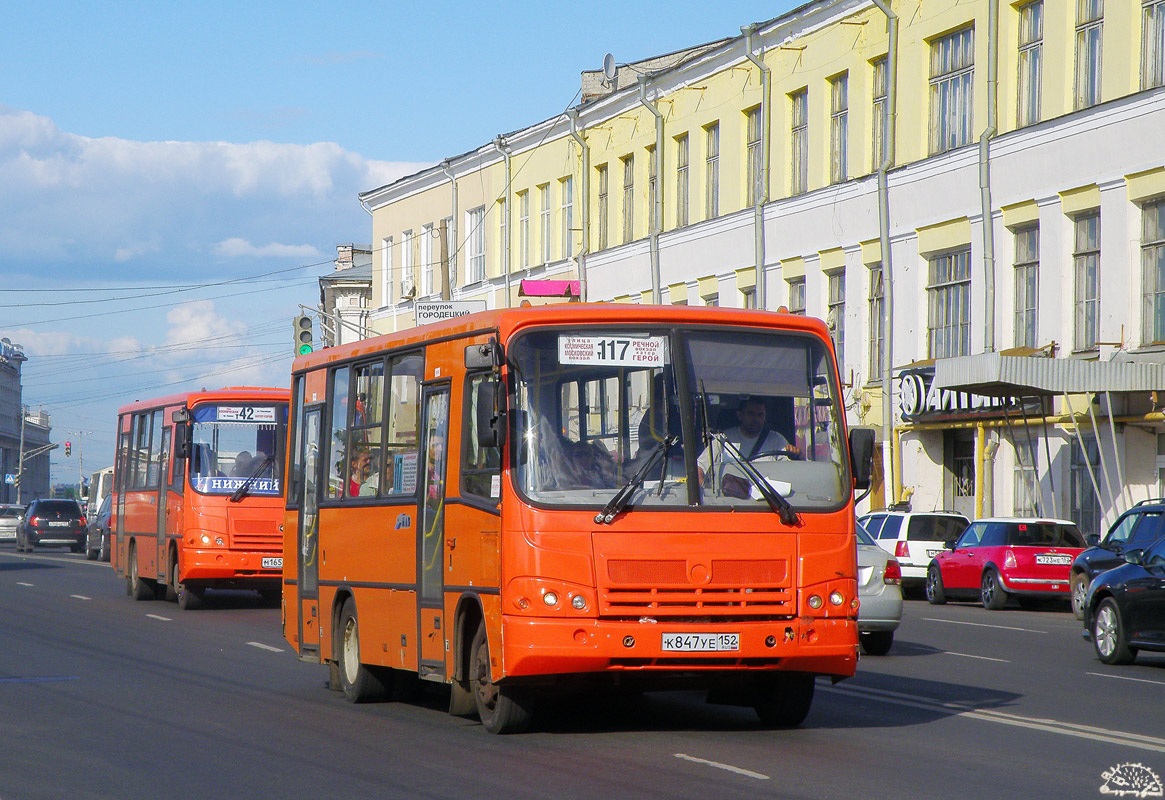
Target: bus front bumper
{"x": 823, "y": 646}
{"x": 211, "y": 565}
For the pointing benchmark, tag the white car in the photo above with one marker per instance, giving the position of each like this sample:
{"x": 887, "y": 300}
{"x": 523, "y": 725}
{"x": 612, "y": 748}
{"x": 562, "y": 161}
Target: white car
{"x": 914, "y": 538}
{"x": 9, "y": 517}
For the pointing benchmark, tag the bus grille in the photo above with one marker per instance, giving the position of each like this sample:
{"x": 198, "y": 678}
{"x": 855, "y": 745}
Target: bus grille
{"x": 259, "y": 535}
{"x": 667, "y": 588}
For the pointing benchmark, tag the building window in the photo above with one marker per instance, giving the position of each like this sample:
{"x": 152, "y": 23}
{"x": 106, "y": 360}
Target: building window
{"x": 1031, "y": 40}
{"x": 1085, "y": 503}
{"x": 835, "y": 313}
{"x": 386, "y": 269}
{"x": 712, "y": 170}
{"x": 1089, "y": 32}
{"x": 952, "y": 73}
{"x": 407, "y": 281}
{"x": 681, "y": 181}
{"x": 652, "y": 174}
{"x": 1153, "y": 272}
{"x": 878, "y": 118}
{"x": 475, "y": 236}
{"x": 1026, "y": 489}
{"x": 524, "y": 228}
{"x": 503, "y": 236}
{"x": 427, "y": 259}
{"x": 754, "y": 192}
{"x": 712, "y": 299}
{"x": 544, "y": 219}
{"x": 950, "y": 304}
{"x": 797, "y": 296}
{"x": 875, "y": 326}
{"x": 628, "y": 198}
{"x": 566, "y": 193}
{"x": 1152, "y": 44}
{"x": 1086, "y": 258}
{"x": 838, "y": 126}
{"x": 799, "y": 183}
{"x": 748, "y": 297}
{"x": 604, "y": 209}
{"x": 1027, "y": 270}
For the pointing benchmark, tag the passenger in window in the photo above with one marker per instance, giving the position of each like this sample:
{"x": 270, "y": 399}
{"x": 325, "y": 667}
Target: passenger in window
{"x": 244, "y": 462}
{"x": 360, "y": 465}
{"x": 588, "y": 465}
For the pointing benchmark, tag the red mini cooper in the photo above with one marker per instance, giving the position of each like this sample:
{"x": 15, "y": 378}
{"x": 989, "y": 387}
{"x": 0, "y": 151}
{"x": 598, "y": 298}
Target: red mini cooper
{"x": 1004, "y": 556}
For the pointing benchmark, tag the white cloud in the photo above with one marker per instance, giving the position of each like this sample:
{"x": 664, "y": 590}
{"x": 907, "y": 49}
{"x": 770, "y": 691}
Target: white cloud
{"x": 241, "y": 248}
{"x": 197, "y": 323}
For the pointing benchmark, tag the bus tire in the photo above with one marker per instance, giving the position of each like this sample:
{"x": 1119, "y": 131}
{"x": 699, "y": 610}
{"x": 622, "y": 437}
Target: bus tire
{"x": 358, "y": 682}
{"x": 139, "y": 588}
{"x": 783, "y": 701}
{"x": 501, "y": 709}
{"x": 187, "y": 597}
{"x": 171, "y": 595}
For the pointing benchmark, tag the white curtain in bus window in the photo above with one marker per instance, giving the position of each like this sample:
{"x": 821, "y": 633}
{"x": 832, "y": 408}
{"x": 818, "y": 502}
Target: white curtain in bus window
{"x": 433, "y": 522}
{"x": 141, "y": 446}
{"x": 403, "y": 411}
{"x": 154, "y": 473}
{"x": 338, "y": 462}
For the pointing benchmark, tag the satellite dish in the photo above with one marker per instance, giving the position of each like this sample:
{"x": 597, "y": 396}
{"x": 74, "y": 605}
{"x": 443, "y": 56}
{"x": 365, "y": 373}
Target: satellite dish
{"x": 609, "y": 68}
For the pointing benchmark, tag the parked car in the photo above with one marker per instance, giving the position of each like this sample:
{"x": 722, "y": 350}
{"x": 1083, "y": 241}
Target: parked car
{"x": 914, "y": 538}
{"x": 1124, "y": 609}
{"x": 97, "y": 547}
{"x": 1003, "y": 556}
{"x": 1139, "y": 527}
{"x": 879, "y": 596}
{"x": 9, "y": 519}
{"x": 52, "y": 522}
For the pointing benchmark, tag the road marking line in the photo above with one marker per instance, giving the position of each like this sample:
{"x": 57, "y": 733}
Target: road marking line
{"x": 980, "y": 658}
{"x": 738, "y": 770}
{"x": 262, "y": 646}
{"x": 80, "y": 597}
{"x": 1126, "y": 678}
{"x": 22, "y": 583}
{"x": 963, "y": 709}
{"x": 981, "y": 625}
{"x": 163, "y": 619}
{"x": 45, "y": 679}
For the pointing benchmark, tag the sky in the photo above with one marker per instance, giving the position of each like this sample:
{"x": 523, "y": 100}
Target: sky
{"x": 174, "y": 178}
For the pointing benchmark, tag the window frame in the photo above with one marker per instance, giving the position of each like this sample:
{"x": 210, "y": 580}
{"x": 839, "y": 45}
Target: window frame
{"x": 712, "y": 170}
{"x": 952, "y": 90}
{"x": 1029, "y": 78}
{"x": 948, "y": 293}
{"x": 1086, "y": 282}
{"x": 1027, "y": 276}
{"x": 839, "y": 128}
{"x": 799, "y": 141}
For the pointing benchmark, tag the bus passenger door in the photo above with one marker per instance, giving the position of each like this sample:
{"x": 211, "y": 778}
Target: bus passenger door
{"x": 307, "y": 538}
{"x": 164, "y": 507}
{"x": 431, "y": 534}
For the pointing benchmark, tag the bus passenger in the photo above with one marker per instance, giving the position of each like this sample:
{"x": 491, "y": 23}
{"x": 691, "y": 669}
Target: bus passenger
{"x": 360, "y": 467}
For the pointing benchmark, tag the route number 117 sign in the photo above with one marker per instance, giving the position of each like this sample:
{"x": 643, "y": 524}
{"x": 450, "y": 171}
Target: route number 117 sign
{"x": 613, "y": 351}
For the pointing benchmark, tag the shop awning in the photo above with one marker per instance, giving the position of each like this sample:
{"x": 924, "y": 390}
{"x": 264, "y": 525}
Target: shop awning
{"x": 529, "y": 288}
{"x": 998, "y": 375}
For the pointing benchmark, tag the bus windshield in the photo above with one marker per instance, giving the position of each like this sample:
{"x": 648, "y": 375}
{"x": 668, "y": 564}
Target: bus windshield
{"x": 593, "y": 408}
{"x": 232, "y": 443}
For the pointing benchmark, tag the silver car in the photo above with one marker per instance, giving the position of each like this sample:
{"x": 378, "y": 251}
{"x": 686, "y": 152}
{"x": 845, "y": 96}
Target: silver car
{"x": 9, "y": 518}
{"x": 879, "y": 595}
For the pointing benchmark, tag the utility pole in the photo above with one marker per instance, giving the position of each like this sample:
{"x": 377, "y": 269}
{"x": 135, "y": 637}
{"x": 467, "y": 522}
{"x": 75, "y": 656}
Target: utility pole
{"x": 80, "y": 458}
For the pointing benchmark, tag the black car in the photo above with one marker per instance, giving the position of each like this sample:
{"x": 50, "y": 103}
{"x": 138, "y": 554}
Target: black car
{"x": 51, "y": 522}
{"x": 1125, "y": 607}
{"x": 1139, "y": 528}
{"x": 98, "y": 546}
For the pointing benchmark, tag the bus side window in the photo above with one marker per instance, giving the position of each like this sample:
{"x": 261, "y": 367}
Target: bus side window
{"x": 403, "y": 422}
{"x": 480, "y": 466}
{"x": 338, "y": 467}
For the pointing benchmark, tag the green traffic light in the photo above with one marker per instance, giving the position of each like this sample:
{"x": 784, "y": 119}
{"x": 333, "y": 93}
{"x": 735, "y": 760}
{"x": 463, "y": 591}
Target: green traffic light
{"x": 304, "y": 349}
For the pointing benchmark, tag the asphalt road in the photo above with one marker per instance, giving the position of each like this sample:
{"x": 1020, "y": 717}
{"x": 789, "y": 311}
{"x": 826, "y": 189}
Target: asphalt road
{"x": 104, "y": 697}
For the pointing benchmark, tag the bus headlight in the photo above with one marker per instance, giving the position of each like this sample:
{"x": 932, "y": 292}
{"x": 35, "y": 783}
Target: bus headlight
{"x": 550, "y": 599}
{"x": 815, "y": 601}
{"x": 579, "y": 602}
{"x": 836, "y": 598}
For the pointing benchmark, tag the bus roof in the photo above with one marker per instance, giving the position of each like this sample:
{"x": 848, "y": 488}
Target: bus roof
{"x": 268, "y": 394}
{"x": 508, "y": 321}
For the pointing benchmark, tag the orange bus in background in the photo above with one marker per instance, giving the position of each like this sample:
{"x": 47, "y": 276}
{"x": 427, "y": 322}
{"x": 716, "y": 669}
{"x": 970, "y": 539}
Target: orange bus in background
{"x": 518, "y": 501}
{"x": 198, "y": 493}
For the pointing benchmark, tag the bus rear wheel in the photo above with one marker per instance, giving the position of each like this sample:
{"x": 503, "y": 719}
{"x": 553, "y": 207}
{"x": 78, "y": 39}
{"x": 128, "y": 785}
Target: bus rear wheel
{"x": 139, "y": 587}
{"x": 501, "y": 709}
{"x": 358, "y": 682}
{"x": 784, "y": 700}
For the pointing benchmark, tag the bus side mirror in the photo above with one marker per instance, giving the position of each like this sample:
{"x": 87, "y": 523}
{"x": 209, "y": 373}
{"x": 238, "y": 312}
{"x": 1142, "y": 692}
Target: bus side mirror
{"x": 861, "y": 456}
{"x": 182, "y": 440}
{"x": 491, "y": 426}
{"x": 485, "y": 356}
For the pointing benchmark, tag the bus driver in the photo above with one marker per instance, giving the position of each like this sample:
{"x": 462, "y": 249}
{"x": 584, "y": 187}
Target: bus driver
{"x": 752, "y": 438}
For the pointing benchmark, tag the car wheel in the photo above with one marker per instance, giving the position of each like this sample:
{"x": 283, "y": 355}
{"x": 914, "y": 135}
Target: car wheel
{"x": 1079, "y": 588}
{"x": 91, "y": 554}
{"x": 935, "y": 594}
{"x": 501, "y": 709}
{"x": 784, "y": 701}
{"x": 991, "y": 592}
{"x": 1109, "y": 636}
{"x": 876, "y": 643}
{"x": 359, "y": 683}
{"x": 105, "y": 547}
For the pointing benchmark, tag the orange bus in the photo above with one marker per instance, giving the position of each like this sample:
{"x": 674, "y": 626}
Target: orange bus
{"x": 518, "y": 501}
{"x": 198, "y": 493}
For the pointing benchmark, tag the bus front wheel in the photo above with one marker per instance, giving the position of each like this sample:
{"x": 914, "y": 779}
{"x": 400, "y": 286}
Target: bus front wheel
{"x": 784, "y": 700}
{"x": 502, "y": 709}
{"x": 360, "y": 683}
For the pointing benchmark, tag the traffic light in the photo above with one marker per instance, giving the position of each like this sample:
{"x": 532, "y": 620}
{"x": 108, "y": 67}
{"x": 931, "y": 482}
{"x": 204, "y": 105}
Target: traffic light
{"x": 68, "y": 449}
{"x": 303, "y": 334}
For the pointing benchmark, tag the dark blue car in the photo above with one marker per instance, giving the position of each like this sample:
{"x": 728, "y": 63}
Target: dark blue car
{"x": 1125, "y": 607}
{"x": 1137, "y": 528}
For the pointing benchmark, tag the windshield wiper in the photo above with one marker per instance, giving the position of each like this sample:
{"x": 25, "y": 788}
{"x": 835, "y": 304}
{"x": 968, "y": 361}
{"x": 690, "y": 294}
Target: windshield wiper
{"x": 242, "y": 491}
{"x": 778, "y": 503}
{"x": 623, "y": 496}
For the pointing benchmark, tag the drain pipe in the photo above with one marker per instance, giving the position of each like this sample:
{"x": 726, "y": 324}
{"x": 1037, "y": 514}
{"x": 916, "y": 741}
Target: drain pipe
{"x": 585, "y": 197}
{"x": 985, "y": 175}
{"x": 889, "y": 123}
{"x": 762, "y": 191}
{"x": 657, "y": 208}
{"x": 451, "y": 247}
{"x": 504, "y": 149}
